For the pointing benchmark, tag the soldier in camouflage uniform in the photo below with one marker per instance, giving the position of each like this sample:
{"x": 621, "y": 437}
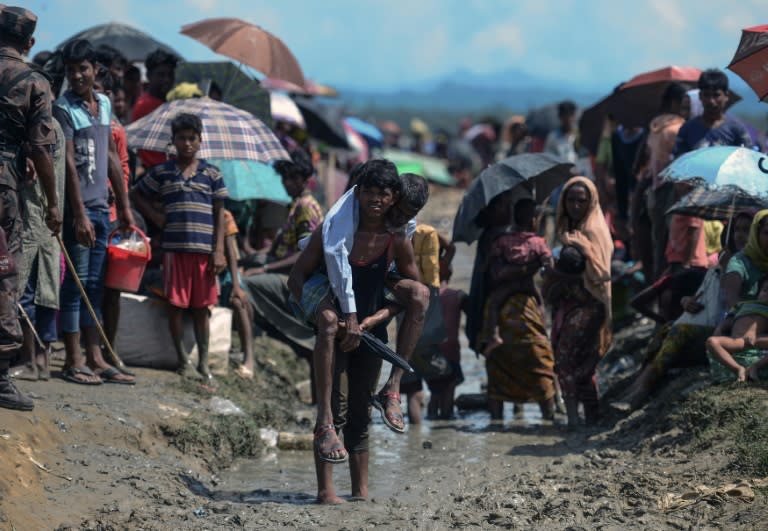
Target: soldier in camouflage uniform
{"x": 26, "y": 130}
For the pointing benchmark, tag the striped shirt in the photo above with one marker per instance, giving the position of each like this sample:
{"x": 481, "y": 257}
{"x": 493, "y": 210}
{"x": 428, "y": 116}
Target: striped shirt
{"x": 188, "y": 204}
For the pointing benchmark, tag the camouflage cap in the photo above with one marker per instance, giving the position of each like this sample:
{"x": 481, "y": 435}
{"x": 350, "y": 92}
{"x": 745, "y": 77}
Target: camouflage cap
{"x": 17, "y": 22}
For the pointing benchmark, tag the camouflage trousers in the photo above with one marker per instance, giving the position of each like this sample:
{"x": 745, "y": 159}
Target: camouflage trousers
{"x": 11, "y": 222}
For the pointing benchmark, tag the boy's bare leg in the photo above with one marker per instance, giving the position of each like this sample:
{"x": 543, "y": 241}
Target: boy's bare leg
{"x": 202, "y": 326}
{"x": 327, "y": 442}
{"x": 326, "y": 494}
{"x": 245, "y": 331}
{"x": 358, "y": 471}
{"x": 176, "y": 327}
{"x": 29, "y": 368}
{"x": 415, "y": 401}
{"x": 414, "y": 296}
{"x": 721, "y": 347}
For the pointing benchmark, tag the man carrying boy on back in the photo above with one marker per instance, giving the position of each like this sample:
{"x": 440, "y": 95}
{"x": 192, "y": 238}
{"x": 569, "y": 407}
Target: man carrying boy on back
{"x": 345, "y": 374}
{"x": 193, "y": 193}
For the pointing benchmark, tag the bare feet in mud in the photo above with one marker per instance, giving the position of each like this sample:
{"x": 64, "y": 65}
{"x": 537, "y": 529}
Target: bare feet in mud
{"x": 329, "y": 499}
{"x": 188, "y": 371}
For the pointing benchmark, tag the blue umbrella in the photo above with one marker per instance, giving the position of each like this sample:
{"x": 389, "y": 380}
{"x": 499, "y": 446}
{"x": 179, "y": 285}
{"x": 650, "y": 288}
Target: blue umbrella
{"x": 249, "y": 179}
{"x": 368, "y": 131}
{"x": 720, "y": 166}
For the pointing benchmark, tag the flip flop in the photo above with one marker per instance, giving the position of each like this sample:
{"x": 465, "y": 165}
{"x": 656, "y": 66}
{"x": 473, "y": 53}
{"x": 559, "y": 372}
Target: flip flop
{"x": 380, "y": 402}
{"x": 321, "y": 434}
{"x": 109, "y": 376}
{"x": 70, "y": 375}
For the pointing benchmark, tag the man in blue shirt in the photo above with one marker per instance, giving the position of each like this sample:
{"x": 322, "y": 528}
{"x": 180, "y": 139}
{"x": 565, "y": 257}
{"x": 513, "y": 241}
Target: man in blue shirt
{"x": 713, "y": 127}
{"x": 91, "y": 159}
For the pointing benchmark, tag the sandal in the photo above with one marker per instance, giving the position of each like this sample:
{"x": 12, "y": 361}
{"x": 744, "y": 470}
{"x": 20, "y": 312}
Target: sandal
{"x": 244, "y": 372}
{"x": 323, "y": 435}
{"x": 384, "y": 399}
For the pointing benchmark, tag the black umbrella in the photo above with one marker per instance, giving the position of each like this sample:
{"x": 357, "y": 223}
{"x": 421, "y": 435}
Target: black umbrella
{"x": 716, "y": 203}
{"x": 501, "y": 177}
{"x": 324, "y": 123}
{"x": 377, "y": 347}
{"x": 238, "y": 89}
{"x": 131, "y": 42}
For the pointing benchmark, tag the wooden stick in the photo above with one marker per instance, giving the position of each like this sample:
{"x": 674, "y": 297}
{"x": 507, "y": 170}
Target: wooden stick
{"x": 115, "y": 359}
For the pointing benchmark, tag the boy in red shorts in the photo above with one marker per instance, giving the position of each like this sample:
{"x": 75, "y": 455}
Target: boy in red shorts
{"x": 192, "y": 192}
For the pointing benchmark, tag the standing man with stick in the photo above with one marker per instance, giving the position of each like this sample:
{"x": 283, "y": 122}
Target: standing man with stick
{"x": 91, "y": 159}
{"x": 26, "y": 130}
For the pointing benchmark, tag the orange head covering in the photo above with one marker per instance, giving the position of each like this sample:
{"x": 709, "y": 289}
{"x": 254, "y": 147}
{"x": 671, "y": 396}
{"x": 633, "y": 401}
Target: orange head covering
{"x": 593, "y": 237}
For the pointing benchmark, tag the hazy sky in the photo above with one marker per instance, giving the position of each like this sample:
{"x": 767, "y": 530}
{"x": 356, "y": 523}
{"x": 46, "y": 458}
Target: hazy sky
{"x": 389, "y": 43}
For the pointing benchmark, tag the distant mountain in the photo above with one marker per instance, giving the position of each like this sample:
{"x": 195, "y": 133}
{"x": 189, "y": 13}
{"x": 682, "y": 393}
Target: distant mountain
{"x": 511, "y": 90}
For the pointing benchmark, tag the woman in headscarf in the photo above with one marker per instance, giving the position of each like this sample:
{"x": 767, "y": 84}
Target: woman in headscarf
{"x": 682, "y": 342}
{"x": 521, "y": 367}
{"x": 581, "y": 331}
{"x": 746, "y": 267}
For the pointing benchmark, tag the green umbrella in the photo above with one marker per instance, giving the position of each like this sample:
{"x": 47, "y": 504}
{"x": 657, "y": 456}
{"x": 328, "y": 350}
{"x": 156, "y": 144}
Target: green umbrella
{"x": 431, "y": 168}
{"x": 238, "y": 89}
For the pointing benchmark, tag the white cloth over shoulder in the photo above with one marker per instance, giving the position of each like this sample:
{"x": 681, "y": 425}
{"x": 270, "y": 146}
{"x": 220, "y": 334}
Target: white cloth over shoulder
{"x": 710, "y": 295}
{"x": 339, "y": 227}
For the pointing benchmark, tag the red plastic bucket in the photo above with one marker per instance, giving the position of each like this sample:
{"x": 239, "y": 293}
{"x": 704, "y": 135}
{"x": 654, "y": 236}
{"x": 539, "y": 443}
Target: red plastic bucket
{"x": 126, "y": 267}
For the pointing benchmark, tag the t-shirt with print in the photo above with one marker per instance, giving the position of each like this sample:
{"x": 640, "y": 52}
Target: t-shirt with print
{"x": 188, "y": 204}
{"x": 695, "y": 134}
{"x": 90, "y": 137}
{"x": 304, "y": 215}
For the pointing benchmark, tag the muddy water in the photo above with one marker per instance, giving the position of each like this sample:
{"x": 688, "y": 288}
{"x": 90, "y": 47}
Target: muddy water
{"x": 429, "y": 450}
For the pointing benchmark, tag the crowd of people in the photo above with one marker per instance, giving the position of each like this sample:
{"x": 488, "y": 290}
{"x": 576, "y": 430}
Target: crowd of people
{"x": 541, "y": 307}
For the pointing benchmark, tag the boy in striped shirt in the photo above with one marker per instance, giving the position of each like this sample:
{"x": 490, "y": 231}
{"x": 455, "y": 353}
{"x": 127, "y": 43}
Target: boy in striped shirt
{"x": 192, "y": 193}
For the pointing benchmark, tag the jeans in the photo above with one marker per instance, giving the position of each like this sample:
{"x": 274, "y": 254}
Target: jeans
{"x": 43, "y": 318}
{"x": 90, "y": 267}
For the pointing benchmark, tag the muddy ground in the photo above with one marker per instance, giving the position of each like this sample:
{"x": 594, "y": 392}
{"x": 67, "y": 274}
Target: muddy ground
{"x": 153, "y": 456}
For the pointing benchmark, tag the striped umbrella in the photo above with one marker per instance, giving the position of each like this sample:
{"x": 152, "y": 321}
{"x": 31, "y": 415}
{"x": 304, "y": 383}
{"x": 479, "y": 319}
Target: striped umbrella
{"x": 716, "y": 204}
{"x": 228, "y": 132}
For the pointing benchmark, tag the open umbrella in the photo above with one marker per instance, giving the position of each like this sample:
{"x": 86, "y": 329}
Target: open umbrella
{"x": 501, "y": 177}
{"x": 719, "y": 166}
{"x": 248, "y": 179}
{"x": 716, "y": 204}
{"x": 248, "y": 44}
{"x": 368, "y": 131}
{"x": 324, "y": 122}
{"x": 310, "y": 88}
{"x": 131, "y": 42}
{"x": 751, "y": 58}
{"x": 431, "y": 168}
{"x": 237, "y": 88}
{"x": 636, "y": 102}
{"x": 228, "y": 132}
{"x": 284, "y": 109}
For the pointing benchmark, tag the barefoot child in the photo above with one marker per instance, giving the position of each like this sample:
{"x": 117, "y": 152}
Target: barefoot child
{"x": 192, "y": 192}
{"x": 514, "y": 260}
{"x": 346, "y": 375}
{"x": 744, "y": 328}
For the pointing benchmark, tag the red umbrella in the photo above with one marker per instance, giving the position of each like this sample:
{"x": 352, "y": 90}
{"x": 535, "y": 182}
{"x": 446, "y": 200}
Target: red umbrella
{"x": 634, "y": 103}
{"x": 750, "y": 61}
{"x": 248, "y": 44}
